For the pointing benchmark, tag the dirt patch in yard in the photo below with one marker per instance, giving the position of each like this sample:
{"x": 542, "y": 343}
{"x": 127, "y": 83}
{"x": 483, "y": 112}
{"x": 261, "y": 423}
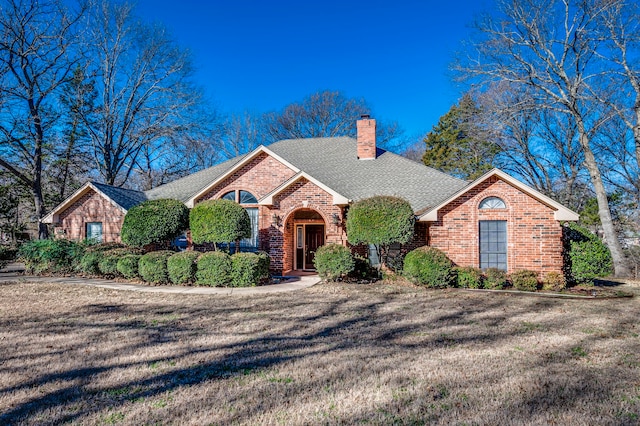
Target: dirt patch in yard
{"x": 334, "y": 353}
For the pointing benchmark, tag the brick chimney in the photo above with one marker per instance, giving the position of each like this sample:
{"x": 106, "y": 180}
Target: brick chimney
{"x": 366, "y": 138}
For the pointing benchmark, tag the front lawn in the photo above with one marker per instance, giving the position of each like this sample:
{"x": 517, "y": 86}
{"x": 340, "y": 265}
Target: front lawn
{"x": 334, "y": 353}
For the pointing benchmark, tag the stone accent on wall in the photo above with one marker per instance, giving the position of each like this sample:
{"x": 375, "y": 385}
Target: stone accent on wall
{"x": 91, "y": 207}
{"x": 534, "y": 237}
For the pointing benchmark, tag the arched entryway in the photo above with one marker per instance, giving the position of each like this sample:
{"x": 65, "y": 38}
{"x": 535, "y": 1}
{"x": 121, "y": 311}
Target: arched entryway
{"x": 308, "y": 233}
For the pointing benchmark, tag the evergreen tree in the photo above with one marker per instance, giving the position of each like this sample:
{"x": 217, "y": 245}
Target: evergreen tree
{"x": 456, "y": 145}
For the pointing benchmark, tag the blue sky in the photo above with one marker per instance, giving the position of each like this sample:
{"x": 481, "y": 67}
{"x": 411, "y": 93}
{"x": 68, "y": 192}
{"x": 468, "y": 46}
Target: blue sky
{"x": 262, "y": 55}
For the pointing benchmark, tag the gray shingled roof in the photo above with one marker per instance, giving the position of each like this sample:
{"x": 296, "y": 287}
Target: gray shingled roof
{"x": 184, "y": 188}
{"x": 125, "y": 198}
{"x": 333, "y": 161}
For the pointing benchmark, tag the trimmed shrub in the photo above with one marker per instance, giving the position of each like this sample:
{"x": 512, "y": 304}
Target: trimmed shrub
{"x": 362, "y": 268}
{"x": 468, "y": 277}
{"x": 381, "y": 221}
{"x": 182, "y": 267}
{"x": 495, "y": 279}
{"x": 108, "y": 265}
{"x": 154, "y": 221}
{"x": 524, "y": 280}
{"x": 333, "y": 261}
{"x": 264, "y": 263}
{"x": 127, "y": 266}
{"x": 554, "y": 281}
{"x": 152, "y": 266}
{"x": 52, "y": 255}
{"x": 219, "y": 221}
{"x": 246, "y": 270}
{"x": 90, "y": 263}
{"x": 587, "y": 257}
{"x": 214, "y": 269}
{"x": 429, "y": 266}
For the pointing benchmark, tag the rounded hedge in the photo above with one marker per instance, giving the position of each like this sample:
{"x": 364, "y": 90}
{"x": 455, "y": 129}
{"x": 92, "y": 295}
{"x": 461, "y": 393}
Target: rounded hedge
{"x": 588, "y": 256}
{"x": 51, "y": 255}
{"x": 247, "y": 269}
{"x": 495, "y": 279}
{"x": 380, "y": 220}
{"x": 152, "y": 266}
{"x": 219, "y": 221}
{"x": 469, "y": 277}
{"x": 428, "y": 266}
{"x": 214, "y": 269}
{"x": 127, "y": 266}
{"x": 333, "y": 261}
{"x": 154, "y": 221}
{"x": 182, "y": 267}
{"x": 108, "y": 265}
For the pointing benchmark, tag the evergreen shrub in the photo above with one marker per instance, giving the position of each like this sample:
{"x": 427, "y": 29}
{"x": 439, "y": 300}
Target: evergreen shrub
{"x": 127, "y": 266}
{"x": 524, "y": 280}
{"x": 152, "y": 266}
{"x": 495, "y": 279}
{"x": 587, "y": 257}
{"x": 469, "y": 277}
{"x": 247, "y": 270}
{"x": 154, "y": 221}
{"x": 554, "y": 281}
{"x": 219, "y": 221}
{"x": 214, "y": 269}
{"x": 182, "y": 267}
{"x": 51, "y": 255}
{"x": 332, "y": 261}
{"x": 429, "y": 267}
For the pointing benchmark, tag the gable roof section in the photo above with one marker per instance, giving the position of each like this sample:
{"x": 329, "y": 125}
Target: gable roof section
{"x": 338, "y": 199}
{"x": 122, "y": 198}
{"x": 560, "y": 211}
{"x": 334, "y": 162}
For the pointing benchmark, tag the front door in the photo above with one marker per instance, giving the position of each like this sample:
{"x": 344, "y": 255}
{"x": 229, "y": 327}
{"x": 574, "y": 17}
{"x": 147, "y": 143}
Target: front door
{"x": 314, "y": 238}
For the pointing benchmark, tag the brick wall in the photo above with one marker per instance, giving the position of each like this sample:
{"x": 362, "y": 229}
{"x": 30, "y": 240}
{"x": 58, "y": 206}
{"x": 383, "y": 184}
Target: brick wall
{"x": 91, "y": 207}
{"x": 534, "y": 237}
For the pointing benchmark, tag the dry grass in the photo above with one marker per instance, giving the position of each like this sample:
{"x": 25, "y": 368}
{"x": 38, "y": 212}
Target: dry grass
{"x": 332, "y": 354}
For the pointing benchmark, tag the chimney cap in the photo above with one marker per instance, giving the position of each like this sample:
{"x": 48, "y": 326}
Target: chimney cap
{"x": 365, "y": 116}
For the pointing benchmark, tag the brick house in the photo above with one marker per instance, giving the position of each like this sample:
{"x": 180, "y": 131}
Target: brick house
{"x": 298, "y": 191}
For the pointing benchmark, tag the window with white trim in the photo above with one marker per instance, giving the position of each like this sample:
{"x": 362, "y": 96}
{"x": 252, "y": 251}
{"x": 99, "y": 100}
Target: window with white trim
{"x": 94, "y": 231}
{"x": 492, "y": 203}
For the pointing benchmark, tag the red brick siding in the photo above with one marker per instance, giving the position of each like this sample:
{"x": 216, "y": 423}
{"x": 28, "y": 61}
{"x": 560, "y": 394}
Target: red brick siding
{"x": 259, "y": 176}
{"x": 534, "y": 237}
{"x": 91, "y": 207}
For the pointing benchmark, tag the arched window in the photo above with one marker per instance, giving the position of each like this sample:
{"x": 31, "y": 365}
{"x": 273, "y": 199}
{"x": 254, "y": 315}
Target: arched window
{"x": 247, "y": 198}
{"x": 231, "y": 195}
{"x": 492, "y": 203}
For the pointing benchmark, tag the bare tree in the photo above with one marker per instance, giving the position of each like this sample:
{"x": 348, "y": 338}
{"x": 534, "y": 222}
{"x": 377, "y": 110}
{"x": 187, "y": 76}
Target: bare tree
{"x": 143, "y": 89}
{"x": 550, "y": 47}
{"x": 37, "y": 56}
{"x": 324, "y": 114}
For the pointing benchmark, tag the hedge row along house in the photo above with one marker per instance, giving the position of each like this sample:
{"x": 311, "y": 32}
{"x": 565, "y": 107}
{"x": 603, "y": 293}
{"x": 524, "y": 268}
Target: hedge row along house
{"x": 298, "y": 192}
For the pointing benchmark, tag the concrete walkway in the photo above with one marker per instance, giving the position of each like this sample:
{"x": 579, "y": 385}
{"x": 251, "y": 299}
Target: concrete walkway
{"x": 295, "y": 283}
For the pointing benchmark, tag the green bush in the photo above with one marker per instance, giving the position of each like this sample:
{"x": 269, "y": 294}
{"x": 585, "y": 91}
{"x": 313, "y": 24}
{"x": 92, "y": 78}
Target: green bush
{"x": 219, "y": 221}
{"x": 52, "y": 255}
{"x": 247, "y": 270}
{"x": 152, "y": 266}
{"x": 90, "y": 263}
{"x": 333, "y": 261}
{"x": 362, "y": 268}
{"x": 554, "y": 281}
{"x": 214, "y": 269}
{"x": 524, "y": 280}
{"x": 264, "y": 263}
{"x": 108, "y": 265}
{"x": 154, "y": 221}
{"x": 495, "y": 279}
{"x": 469, "y": 277}
{"x": 587, "y": 257}
{"x": 429, "y": 266}
{"x": 182, "y": 267}
{"x": 381, "y": 221}
{"x": 128, "y": 267}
